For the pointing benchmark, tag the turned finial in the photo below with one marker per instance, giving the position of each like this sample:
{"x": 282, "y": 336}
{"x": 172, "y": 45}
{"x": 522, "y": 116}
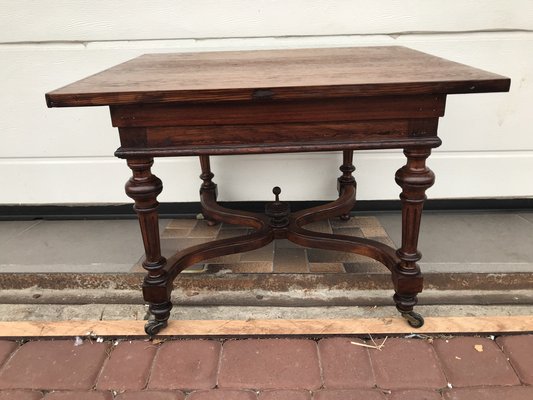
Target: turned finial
{"x": 277, "y": 192}
{"x": 278, "y": 211}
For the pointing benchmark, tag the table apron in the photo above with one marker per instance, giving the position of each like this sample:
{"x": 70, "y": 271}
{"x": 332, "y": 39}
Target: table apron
{"x": 269, "y": 111}
{"x": 277, "y": 138}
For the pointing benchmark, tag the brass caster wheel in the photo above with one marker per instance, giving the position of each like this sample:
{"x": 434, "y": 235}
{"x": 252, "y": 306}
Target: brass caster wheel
{"x": 153, "y": 327}
{"x": 413, "y": 319}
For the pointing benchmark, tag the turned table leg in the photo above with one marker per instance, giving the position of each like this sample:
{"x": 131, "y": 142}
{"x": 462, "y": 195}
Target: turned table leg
{"x": 414, "y": 178}
{"x": 144, "y": 187}
{"x": 346, "y": 178}
{"x": 208, "y": 186}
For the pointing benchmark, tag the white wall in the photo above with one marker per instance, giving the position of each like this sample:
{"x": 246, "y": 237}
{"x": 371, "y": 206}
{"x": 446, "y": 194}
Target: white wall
{"x": 66, "y": 155}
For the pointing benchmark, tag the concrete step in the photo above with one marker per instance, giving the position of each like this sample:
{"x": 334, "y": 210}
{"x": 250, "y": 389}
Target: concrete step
{"x": 453, "y": 279}
{"x": 262, "y": 298}
{"x": 102, "y": 311}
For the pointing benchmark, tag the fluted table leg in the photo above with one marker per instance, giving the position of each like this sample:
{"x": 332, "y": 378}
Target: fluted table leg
{"x": 414, "y": 178}
{"x": 144, "y": 187}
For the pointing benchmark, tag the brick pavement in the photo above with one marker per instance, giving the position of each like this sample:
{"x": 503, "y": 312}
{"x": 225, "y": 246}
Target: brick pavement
{"x": 459, "y": 368}
{"x": 279, "y": 257}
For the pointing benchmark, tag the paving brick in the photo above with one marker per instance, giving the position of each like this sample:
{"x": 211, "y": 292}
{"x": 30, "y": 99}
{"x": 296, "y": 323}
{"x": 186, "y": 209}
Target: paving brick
{"x": 374, "y": 231}
{"x": 79, "y": 396}
{"x": 349, "y": 394}
{"x": 319, "y": 226}
{"x": 366, "y": 268}
{"x": 285, "y": 395}
{"x": 186, "y": 364}
{"x": 54, "y": 365}
{"x": 223, "y": 394}
{"x": 269, "y": 364}
{"x": 128, "y": 367}
{"x": 345, "y": 365}
{"x": 416, "y": 394}
{"x": 228, "y": 259}
{"x": 286, "y": 244}
{"x": 492, "y": 393}
{"x": 355, "y": 232}
{"x": 326, "y": 268}
{"x": 225, "y": 233}
{"x": 357, "y": 222}
{"x": 6, "y": 348}
{"x": 181, "y": 223}
{"x": 265, "y": 253}
{"x": 519, "y": 350}
{"x": 336, "y": 222}
{"x": 20, "y": 395}
{"x": 288, "y": 260}
{"x": 151, "y": 395}
{"x": 203, "y": 230}
{"x": 407, "y": 364}
{"x": 332, "y": 256}
{"x": 465, "y": 366}
{"x": 175, "y": 233}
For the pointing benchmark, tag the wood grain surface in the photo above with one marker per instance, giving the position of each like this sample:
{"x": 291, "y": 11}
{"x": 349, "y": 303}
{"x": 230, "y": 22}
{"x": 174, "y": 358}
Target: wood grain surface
{"x": 362, "y": 326}
{"x": 276, "y": 75}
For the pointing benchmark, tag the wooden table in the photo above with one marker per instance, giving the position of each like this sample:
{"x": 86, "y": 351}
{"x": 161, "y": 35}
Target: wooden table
{"x": 280, "y": 101}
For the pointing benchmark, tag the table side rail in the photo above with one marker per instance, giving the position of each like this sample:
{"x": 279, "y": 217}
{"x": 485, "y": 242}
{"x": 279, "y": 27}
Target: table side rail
{"x": 269, "y": 111}
{"x": 277, "y": 138}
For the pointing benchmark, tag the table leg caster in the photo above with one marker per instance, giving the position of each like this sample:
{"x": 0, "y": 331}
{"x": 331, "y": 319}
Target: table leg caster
{"x": 345, "y": 217}
{"x": 414, "y": 319}
{"x": 153, "y": 326}
{"x": 208, "y": 221}
{"x": 211, "y": 222}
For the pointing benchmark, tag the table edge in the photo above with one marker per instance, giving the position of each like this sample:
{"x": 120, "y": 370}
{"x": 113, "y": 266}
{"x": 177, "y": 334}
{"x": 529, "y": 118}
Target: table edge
{"x": 497, "y": 84}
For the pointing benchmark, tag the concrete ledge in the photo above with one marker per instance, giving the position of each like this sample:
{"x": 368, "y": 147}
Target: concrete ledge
{"x": 272, "y": 282}
{"x": 262, "y": 298}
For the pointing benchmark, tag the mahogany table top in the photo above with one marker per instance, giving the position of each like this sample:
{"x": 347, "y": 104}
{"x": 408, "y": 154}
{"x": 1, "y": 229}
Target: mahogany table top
{"x": 277, "y": 75}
